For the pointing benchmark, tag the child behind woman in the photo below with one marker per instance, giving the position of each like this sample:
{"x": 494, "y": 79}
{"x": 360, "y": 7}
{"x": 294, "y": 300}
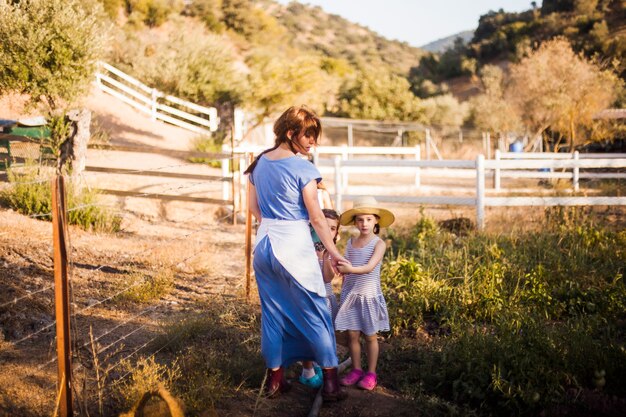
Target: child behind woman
{"x": 311, "y": 375}
{"x": 362, "y": 308}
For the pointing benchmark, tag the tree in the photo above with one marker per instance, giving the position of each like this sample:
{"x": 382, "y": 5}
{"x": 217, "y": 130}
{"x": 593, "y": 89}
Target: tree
{"x": 490, "y": 111}
{"x": 444, "y": 111}
{"x": 49, "y": 48}
{"x": 277, "y": 81}
{"x": 553, "y": 87}
{"x": 380, "y": 95}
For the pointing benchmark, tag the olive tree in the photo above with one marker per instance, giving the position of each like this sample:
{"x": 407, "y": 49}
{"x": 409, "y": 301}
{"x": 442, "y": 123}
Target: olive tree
{"x": 49, "y": 49}
{"x": 555, "y": 88}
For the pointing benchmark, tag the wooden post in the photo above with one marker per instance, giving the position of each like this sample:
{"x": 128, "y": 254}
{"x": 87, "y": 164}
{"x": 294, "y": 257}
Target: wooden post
{"x": 496, "y": 171}
{"x": 62, "y": 296}
{"x": 338, "y": 183}
{"x": 418, "y": 170}
{"x": 344, "y": 157}
{"x": 248, "y": 234}
{"x": 427, "y": 146}
{"x": 576, "y": 173}
{"x": 232, "y": 174}
{"x": 154, "y": 95}
{"x": 350, "y": 136}
{"x": 480, "y": 192}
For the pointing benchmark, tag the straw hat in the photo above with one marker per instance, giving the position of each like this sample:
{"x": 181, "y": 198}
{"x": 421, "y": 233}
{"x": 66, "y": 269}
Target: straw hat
{"x": 367, "y": 205}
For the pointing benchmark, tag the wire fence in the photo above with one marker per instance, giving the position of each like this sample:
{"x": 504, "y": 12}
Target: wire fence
{"x": 158, "y": 243}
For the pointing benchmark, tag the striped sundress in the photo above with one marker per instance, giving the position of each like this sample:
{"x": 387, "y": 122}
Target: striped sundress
{"x": 362, "y": 306}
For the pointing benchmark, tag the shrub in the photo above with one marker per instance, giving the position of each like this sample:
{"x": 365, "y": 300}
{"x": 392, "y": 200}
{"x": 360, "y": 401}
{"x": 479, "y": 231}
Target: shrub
{"x": 514, "y": 322}
{"x": 29, "y": 193}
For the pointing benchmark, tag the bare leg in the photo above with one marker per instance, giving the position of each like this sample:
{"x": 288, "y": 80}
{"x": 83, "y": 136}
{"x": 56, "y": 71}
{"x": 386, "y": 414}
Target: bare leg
{"x": 354, "y": 345}
{"x": 371, "y": 348}
{"x": 307, "y": 364}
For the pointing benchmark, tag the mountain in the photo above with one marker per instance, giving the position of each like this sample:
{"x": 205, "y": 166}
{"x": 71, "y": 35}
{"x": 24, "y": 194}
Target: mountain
{"x": 441, "y": 45}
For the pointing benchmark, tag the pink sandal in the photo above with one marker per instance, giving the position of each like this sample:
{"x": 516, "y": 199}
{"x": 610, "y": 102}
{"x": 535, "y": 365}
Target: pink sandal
{"x": 351, "y": 378}
{"x": 368, "y": 382}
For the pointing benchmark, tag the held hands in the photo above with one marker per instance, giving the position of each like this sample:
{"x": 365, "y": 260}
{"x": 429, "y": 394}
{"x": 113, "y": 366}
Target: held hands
{"x": 338, "y": 261}
{"x": 344, "y": 267}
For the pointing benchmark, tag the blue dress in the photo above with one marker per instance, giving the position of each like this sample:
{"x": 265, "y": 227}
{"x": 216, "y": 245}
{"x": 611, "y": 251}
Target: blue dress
{"x": 295, "y": 322}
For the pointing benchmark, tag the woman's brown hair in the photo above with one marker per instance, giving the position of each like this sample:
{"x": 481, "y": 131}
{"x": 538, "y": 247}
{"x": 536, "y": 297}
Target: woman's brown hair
{"x": 297, "y": 120}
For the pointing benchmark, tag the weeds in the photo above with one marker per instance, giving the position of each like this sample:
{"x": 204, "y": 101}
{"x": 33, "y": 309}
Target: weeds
{"x": 144, "y": 289}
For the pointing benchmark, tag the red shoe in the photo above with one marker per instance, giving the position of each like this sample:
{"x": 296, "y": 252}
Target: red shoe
{"x": 276, "y": 383}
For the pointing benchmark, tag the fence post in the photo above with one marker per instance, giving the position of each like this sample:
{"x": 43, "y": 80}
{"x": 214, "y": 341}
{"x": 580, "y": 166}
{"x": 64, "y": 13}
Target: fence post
{"x": 344, "y": 157}
{"x": 337, "y": 161}
{"x": 496, "y": 171}
{"x": 480, "y": 192}
{"x": 62, "y": 297}
{"x": 153, "y": 105}
{"x": 576, "y": 172}
{"x": 225, "y": 175}
{"x": 242, "y": 182}
{"x": 248, "y": 233}
{"x": 488, "y": 145}
{"x": 418, "y": 170}
{"x": 350, "y": 136}
{"x": 428, "y": 139}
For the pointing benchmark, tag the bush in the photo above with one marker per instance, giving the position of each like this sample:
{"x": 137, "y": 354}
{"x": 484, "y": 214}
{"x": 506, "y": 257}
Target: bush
{"x": 514, "y": 322}
{"x": 29, "y": 193}
{"x": 208, "y": 144}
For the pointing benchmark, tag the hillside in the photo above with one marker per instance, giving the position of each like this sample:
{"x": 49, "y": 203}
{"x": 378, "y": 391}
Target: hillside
{"x": 313, "y": 29}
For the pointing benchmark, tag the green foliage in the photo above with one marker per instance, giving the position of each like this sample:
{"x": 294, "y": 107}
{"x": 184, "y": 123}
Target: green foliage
{"x": 380, "y": 95}
{"x": 112, "y": 7}
{"x": 202, "y": 71}
{"x": 514, "y": 321}
{"x": 153, "y": 12}
{"x": 278, "y": 80}
{"x": 29, "y": 193}
{"x": 209, "y": 12}
{"x": 208, "y": 144}
{"x": 49, "y": 48}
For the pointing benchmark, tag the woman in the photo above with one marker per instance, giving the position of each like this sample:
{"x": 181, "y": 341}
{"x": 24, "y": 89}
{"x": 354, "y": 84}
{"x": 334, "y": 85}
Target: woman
{"x": 295, "y": 323}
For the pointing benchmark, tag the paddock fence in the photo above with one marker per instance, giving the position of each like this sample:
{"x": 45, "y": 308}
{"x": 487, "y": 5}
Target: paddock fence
{"x": 158, "y": 105}
{"x": 397, "y": 175}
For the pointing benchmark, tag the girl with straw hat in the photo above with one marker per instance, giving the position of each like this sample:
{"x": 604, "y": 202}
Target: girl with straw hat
{"x": 362, "y": 309}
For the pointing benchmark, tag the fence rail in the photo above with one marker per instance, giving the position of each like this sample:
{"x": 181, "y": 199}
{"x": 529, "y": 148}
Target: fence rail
{"x": 154, "y": 102}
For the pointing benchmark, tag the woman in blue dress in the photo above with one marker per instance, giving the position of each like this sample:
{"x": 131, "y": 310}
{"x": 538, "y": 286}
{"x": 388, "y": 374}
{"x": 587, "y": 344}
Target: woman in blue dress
{"x": 295, "y": 322}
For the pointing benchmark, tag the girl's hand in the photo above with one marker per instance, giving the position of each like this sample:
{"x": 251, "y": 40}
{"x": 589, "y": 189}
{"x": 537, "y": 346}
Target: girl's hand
{"x": 336, "y": 259}
{"x": 344, "y": 267}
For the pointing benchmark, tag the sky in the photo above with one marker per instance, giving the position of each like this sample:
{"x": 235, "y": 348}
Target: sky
{"x": 417, "y": 22}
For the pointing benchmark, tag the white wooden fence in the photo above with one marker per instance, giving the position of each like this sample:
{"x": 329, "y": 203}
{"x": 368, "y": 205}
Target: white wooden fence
{"x": 342, "y": 164}
{"x": 153, "y": 102}
{"x": 546, "y": 172}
